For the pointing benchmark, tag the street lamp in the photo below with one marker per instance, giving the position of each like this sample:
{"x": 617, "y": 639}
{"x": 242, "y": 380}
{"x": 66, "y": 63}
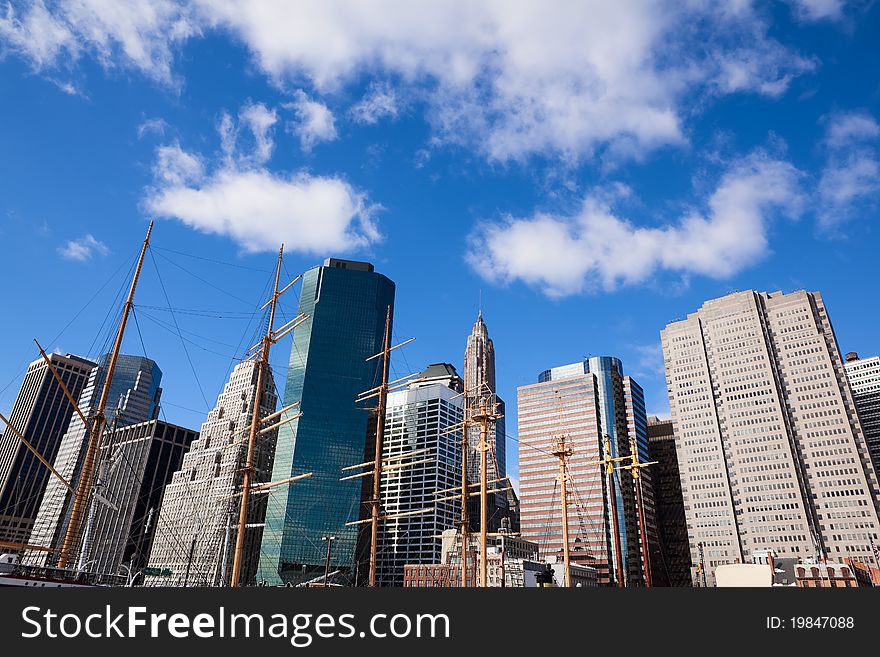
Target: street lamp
{"x": 329, "y": 540}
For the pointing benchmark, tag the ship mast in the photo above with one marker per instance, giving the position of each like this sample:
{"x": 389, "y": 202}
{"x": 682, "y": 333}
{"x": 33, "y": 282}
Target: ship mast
{"x": 377, "y": 467}
{"x": 257, "y": 427}
{"x": 562, "y": 453}
{"x": 635, "y": 468}
{"x": 377, "y": 461}
{"x": 99, "y": 420}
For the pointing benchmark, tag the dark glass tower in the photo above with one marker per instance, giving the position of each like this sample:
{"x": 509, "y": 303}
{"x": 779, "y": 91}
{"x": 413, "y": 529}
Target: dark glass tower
{"x": 346, "y": 303}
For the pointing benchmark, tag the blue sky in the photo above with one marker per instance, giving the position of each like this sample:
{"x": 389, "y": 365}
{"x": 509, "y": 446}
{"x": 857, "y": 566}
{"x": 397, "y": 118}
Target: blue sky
{"x": 596, "y": 169}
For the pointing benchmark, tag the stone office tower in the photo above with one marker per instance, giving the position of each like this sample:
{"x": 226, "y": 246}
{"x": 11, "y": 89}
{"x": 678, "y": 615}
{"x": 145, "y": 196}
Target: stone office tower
{"x": 197, "y": 523}
{"x": 771, "y": 451}
{"x": 479, "y": 379}
{"x": 134, "y": 398}
{"x": 42, "y": 415}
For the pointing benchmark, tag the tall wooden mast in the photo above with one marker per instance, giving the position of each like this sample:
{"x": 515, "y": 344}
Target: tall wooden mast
{"x": 465, "y": 494}
{"x": 376, "y": 500}
{"x": 81, "y": 494}
{"x": 377, "y": 467}
{"x": 262, "y": 366}
{"x": 562, "y": 453}
{"x": 635, "y": 468}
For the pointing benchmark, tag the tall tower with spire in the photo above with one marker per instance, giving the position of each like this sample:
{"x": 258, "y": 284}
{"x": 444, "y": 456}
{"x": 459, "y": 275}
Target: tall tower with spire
{"x": 479, "y": 380}
{"x": 479, "y": 359}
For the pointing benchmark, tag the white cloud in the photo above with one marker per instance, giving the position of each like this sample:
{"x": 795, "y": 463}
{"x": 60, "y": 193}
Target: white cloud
{"x": 259, "y": 209}
{"x": 511, "y": 80}
{"x": 850, "y": 180}
{"x": 314, "y": 121}
{"x": 83, "y": 249}
{"x": 175, "y": 167}
{"x": 260, "y": 122}
{"x": 378, "y": 103}
{"x": 595, "y": 248}
{"x": 141, "y": 34}
{"x": 847, "y": 128}
{"x": 817, "y": 10}
{"x": 156, "y": 126}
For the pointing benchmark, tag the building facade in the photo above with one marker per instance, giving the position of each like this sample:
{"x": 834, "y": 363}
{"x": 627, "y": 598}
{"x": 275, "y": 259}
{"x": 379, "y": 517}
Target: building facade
{"x": 197, "y": 522}
{"x": 585, "y": 402}
{"x": 770, "y": 447}
{"x": 671, "y": 563}
{"x": 864, "y": 379}
{"x": 135, "y": 466}
{"x": 424, "y": 419}
{"x": 134, "y": 397}
{"x": 346, "y": 304}
{"x": 42, "y": 415}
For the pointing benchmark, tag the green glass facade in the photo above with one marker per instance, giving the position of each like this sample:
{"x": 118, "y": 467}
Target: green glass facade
{"x": 346, "y": 303}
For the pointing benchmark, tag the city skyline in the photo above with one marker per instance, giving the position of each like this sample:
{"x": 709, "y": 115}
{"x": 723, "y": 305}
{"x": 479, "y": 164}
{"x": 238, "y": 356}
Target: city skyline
{"x": 592, "y": 174}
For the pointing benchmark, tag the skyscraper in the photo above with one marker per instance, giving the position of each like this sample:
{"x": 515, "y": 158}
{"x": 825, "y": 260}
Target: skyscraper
{"x": 671, "y": 563}
{"x": 197, "y": 523}
{"x": 479, "y": 381}
{"x": 346, "y": 304}
{"x": 864, "y": 379}
{"x": 135, "y": 465}
{"x": 770, "y": 447}
{"x": 134, "y": 397}
{"x": 584, "y": 402}
{"x": 42, "y": 415}
{"x": 421, "y": 419}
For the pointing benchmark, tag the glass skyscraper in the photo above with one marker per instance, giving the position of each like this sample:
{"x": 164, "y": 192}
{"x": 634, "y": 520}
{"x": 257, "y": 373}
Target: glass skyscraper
{"x": 346, "y": 304}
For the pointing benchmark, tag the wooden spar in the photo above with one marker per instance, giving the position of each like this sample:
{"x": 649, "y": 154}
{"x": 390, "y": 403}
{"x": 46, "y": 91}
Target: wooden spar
{"x": 265, "y": 488}
{"x": 25, "y": 546}
{"x": 34, "y": 451}
{"x": 377, "y": 458}
{"x": 284, "y": 410}
{"x": 87, "y": 476}
{"x": 262, "y": 365}
{"x": 454, "y": 488}
{"x": 61, "y": 383}
{"x": 397, "y": 346}
{"x": 391, "y": 517}
{"x": 474, "y": 494}
{"x": 562, "y": 453}
{"x": 281, "y": 423}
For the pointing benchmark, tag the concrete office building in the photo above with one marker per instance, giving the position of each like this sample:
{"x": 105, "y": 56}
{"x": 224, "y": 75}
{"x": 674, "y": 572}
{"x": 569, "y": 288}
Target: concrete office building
{"x": 769, "y": 444}
{"x": 424, "y": 419}
{"x": 134, "y": 397}
{"x": 864, "y": 379}
{"x": 346, "y": 303}
{"x": 671, "y": 562}
{"x": 135, "y": 465}
{"x": 198, "y": 521}
{"x": 584, "y": 402}
{"x": 42, "y": 415}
